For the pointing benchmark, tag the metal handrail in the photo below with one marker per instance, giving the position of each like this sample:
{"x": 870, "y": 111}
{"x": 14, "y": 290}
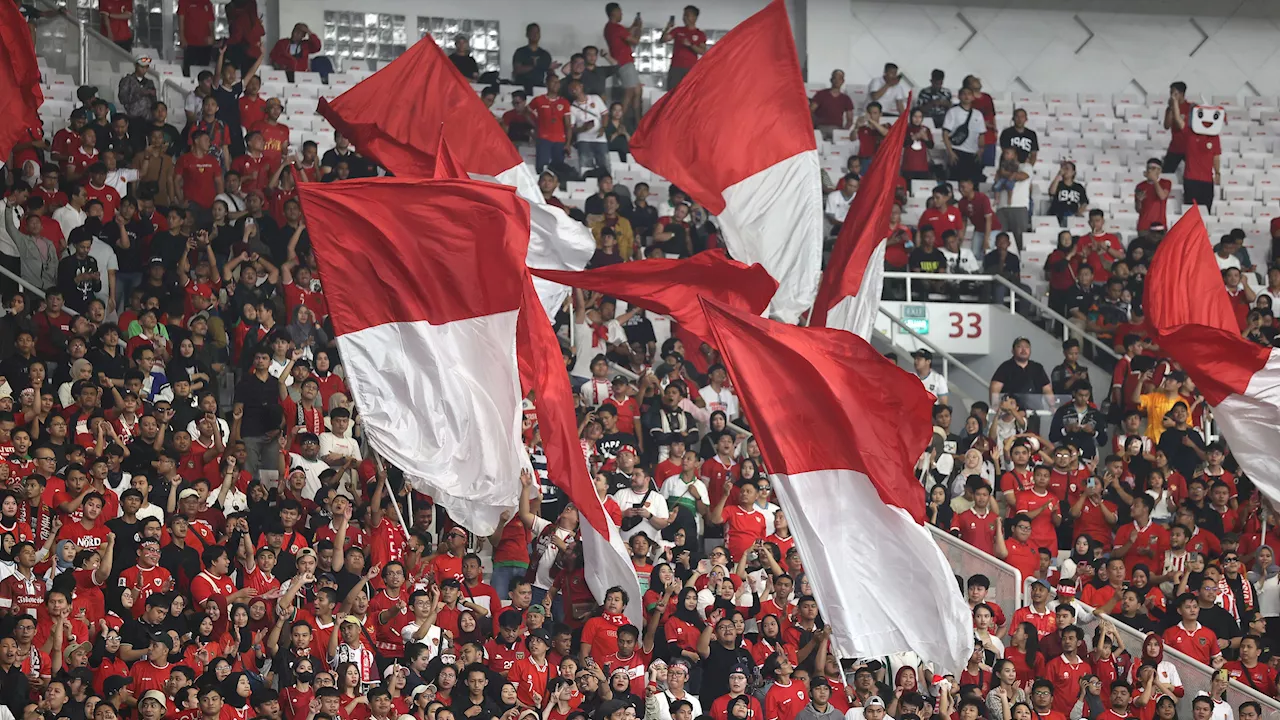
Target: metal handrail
{"x": 948, "y": 542}
{"x": 27, "y": 286}
{"x": 1040, "y": 305}
{"x": 948, "y": 357}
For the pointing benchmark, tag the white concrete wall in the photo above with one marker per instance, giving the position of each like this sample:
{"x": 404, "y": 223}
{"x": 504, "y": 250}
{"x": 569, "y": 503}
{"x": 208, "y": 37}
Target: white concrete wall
{"x": 1037, "y": 46}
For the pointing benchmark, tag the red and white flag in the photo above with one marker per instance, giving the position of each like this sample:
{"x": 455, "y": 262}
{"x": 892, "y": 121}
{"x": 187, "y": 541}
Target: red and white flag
{"x": 672, "y": 287}
{"x": 425, "y": 309}
{"x": 737, "y": 136}
{"x": 396, "y": 116}
{"x": 841, "y": 428}
{"x": 1193, "y": 319}
{"x": 19, "y": 82}
{"x": 849, "y": 297}
{"x": 607, "y": 563}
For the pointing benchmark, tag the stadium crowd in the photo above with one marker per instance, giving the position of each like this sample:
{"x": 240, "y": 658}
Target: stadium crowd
{"x": 191, "y": 529}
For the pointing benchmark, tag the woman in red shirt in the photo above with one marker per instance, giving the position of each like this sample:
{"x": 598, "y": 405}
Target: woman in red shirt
{"x": 917, "y": 144}
{"x": 1060, "y": 269}
{"x": 683, "y": 627}
{"x": 1024, "y": 651}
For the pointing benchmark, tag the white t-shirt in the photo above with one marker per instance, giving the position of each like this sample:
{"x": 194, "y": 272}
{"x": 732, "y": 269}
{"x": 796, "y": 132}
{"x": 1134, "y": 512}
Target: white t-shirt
{"x": 312, "y": 468}
{"x": 770, "y": 513}
{"x": 723, "y": 400}
{"x": 583, "y": 340}
{"x": 890, "y": 99}
{"x": 1020, "y": 195}
{"x": 68, "y": 218}
{"x": 935, "y": 383}
{"x": 656, "y": 504}
{"x": 674, "y": 487}
{"x": 665, "y": 698}
{"x": 1230, "y": 261}
{"x": 961, "y": 261}
{"x": 838, "y": 204}
{"x": 589, "y": 109}
{"x": 595, "y": 391}
{"x": 107, "y": 263}
{"x": 542, "y": 574}
{"x": 346, "y": 447}
{"x": 120, "y": 179}
{"x": 955, "y": 118}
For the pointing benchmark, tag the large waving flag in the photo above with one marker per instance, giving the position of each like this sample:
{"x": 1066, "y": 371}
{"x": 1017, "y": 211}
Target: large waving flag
{"x": 426, "y": 323}
{"x": 20, "y": 94}
{"x": 849, "y": 296}
{"x": 607, "y": 561}
{"x": 1190, "y": 312}
{"x": 737, "y": 136}
{"x": 396, "y": 117}
{"x": 841, "y": 428}
{"x": 672, "y": 287}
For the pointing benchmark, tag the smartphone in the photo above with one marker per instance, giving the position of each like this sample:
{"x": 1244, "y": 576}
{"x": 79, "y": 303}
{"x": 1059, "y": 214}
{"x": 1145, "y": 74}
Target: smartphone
{"x": 672, "y": 20}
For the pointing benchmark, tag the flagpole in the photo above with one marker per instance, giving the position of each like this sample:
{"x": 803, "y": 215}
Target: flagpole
{"x": 386, "y": 488}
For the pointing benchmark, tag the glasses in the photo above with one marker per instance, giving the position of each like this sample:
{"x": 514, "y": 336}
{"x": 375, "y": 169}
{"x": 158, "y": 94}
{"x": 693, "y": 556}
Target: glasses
{"x": 1042, "y": 692}
{"x": 765, "y": 488}
{"x": 1231, "y": 559}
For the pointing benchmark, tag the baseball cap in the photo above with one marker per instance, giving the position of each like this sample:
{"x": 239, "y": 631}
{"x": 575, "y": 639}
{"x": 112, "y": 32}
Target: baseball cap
{"x": 874, "y": 701}
{"x": 922, "y": 353}
{"x": 739, "y": 669}
{"x": 72, "y": 647}
{"x": 418, "y": 690}
{"x": 142, "y": 59}
{"x": 620, "y": 380}
{"x": 818, "y": 682}
{"x": 1042, "y": 583}
{"x": 162, "y": 638}
{"x": 306, "y": 552}
{"x": 154, "y": 695}
{"x": 189, "y": 492}
{"x": 351, "y": 619}
{"x": 112, "y": 685}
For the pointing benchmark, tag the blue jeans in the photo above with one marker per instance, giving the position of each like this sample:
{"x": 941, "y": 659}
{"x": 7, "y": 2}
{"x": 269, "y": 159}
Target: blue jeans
{"x": 548, "y": 152}
{"x": 592, "y": 155}
{"x": 978, "y": 252}
{"x": 501, "y": 579}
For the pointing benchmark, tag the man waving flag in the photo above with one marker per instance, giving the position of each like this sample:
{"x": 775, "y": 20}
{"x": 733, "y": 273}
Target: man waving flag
{"x": 736, "y": 135}
{"x": 19, "y": 82}
{"x": 840, "y": 428}
{"x": 1190, "y": 312}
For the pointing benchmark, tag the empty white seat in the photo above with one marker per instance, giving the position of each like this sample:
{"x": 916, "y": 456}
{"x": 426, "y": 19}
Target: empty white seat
{"x": 309, "y": 78}
{"x": 1231, "y": 193}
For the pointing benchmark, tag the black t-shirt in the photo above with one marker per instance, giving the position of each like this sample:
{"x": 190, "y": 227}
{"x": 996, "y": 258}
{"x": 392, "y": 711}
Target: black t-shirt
{"x": 1024, "y": 141}
{"x": 1139, "y": 622}
{"x": 358, "y": 165}
{"x": 922, "y": 260}
{"x": 1220, "y": 622}
{"x": 715, "y": 671}
{"x": 539, "y": 59}
{"x": 261, "y": 400}
{"x": 612, "y": 442}
{"x": 1068, "y": 199}
{"x": 1020, "y": 380}
{"x": 125, "y": 553}
{"x": 1079, "y": 297}
{"x": 1182, "y": 458}
{"x": 466, "y": 65}
{"x": 137, "y": 634}
{"x": 488, "y": 708}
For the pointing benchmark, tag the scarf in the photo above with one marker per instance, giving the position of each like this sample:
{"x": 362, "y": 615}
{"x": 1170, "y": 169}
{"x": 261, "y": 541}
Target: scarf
{"x": 617, "y": 620}
{"x": 1228, "y": 596}
{"x": 599, "y": 333}
{"x": 665, "y": 416}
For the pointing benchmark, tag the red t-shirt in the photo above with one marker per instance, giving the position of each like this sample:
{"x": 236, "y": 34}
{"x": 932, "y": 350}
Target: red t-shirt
{"x": 976, "y": 212}
{"x": 254, "y": 172}
{"x": 602, "y": 635}
{"x": 987, "y": 108}
{"x": 635, "y": 665}
{"x": 1044, "y": 533}
{"x": 868, "y": 142}
{"x": 916, "y": 160}
{"x": 550, "y": 113}
{"x": 276, "y": 139}
{"x": 978, "y": 531}
{"x": 199, "y": 176}
{"x": 90, "y": 539}
{"x": 830, "y": 107}
{"x": 1024, "y": 558}
{"x": 942, "y": 220}
{"x": 1153, "y": 537}
{"x": 120, "y": 29}
{"x": 253, "y": 110}
{"x": 784, "y": 702}
{"x": 615, "y": 35}
{"x": 1178, "y": 141}
{"x": 205, "y": 586}
{"x": 1261, "y": 677}
{"x": 197, "y": 26}
{"x": 1202, "y": 644}
{"x": 681, "y": 55}
{"x": 296, "y": 296}
{"x": 1065, "y": 676}
{"x": 1092, "y": 523}
{"x": 742, "y": 529}
{"x": 80, "y": 160}
{"x": 146, "y": 676}
{"x": 52, "y": 200}
{"x": 1151, "y": 210}
{"x": 1200, "y": 152}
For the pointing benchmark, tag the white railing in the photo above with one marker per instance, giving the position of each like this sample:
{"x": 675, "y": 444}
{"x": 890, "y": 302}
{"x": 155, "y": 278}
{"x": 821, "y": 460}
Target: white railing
{"x": 948, "y": 360}
{"x": 967, "y": 561}
{"x": 1069, "y": 328}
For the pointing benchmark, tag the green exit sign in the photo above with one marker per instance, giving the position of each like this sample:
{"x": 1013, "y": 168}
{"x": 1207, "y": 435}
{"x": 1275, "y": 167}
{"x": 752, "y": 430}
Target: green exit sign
{"x": 915, "y": 317}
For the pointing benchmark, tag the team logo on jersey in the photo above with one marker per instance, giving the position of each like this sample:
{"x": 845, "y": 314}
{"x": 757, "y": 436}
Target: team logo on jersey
{"x": 157, "y": 582}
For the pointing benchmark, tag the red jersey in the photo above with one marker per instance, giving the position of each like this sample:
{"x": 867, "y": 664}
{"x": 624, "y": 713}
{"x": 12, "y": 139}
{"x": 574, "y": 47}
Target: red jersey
{"x": 977, "y": 530}
{"x": 275, "y": 137}
{"x": 615, "y": 35}
{"x": 1043, "y": 622}
{"x": 1151, "y": 209}
{"x": 1092, "y": 523}
{"x": 742, "y": 529}
{"x": 784, "y": 543}
{"x": 683, "y": 56}
{"x": 1065, "y": 676}
{"x": 550, "y": 113}
{"x": 253, "y": 110}
{"x": 947, "y": 218}
{"x": 601, "y": 633}
{"x": 53, "y": 199}
{"x": 197, "y": 22}
{"x": 636, "y": 666}
{"x": 19, "y": 596}
{"x": 1260, "y": 677}
{"x": 1016, "y": 480}
{"x": 502, "y": 657}
{"x": 116, "y": 29}
{"x": 1178, "y": 139}
{"x": 714, "y": 473}
{"x": 388, "y": 542}
{"x": 145, "y": 583}
{"x": 84, "y": 538}
{"x": 720, "y": 708}
{"x": 106, "y": 195}
{"x": 628, "y": 409}
{"x": 80, "y": 160}
{"x": 199, "y": 178}
{"x": 147, "y": 676}
{"x": 1149, "y": 546}
{"x": 976, "y": 212}
{"x": 1023, "y": 557}
{"x": 1044, "y": 533}
{"x": 783, "y": 702}
{"x": 204, "y": 586}
{"x": 1201, "y": 644}
{"x": 296, "y": 296}
{"x": 1201, "y": 150}
{"x": 255, "y": 172}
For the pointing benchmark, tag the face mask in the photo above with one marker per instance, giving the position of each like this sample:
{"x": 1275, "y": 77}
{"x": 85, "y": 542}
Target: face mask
{"x": 305, "y": 677}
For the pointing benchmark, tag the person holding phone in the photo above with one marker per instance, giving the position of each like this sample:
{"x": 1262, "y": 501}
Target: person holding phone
{"x": 621, "y": 39}
{"x": 589, "y": 114}
{"x": 689, "y": 44}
